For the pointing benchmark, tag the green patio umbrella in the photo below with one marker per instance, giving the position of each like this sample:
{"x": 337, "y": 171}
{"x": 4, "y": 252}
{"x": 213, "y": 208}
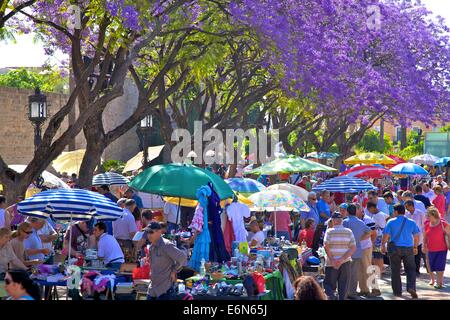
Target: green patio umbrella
{"x": 179, "y": 180}
{"x": 291, "y": 164}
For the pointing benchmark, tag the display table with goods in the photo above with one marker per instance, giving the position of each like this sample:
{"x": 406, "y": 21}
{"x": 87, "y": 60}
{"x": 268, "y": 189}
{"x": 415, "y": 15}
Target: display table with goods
{"x": 81, "y": 283}
{"x": 261, "y": 267}
{"x": 3, "y": 293}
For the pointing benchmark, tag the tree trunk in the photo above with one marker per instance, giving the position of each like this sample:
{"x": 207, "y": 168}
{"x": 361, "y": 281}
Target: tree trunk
{"x": 14, "y": 187}
{"x": 382, "y": 135}
{"x": 402, "y": 138}
{"x": 95, "y": 145}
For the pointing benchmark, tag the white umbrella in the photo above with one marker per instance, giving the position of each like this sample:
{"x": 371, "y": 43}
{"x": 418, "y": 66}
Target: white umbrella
{"x": 427, "y": 159}
{"x": 50, "y": 180}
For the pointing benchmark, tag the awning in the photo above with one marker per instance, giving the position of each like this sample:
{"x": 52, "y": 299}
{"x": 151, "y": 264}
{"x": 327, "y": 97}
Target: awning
{"x": 135, "y": 163}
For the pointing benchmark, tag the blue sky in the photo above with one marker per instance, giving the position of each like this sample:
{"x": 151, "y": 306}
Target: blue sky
{"x": 29, "y": 54}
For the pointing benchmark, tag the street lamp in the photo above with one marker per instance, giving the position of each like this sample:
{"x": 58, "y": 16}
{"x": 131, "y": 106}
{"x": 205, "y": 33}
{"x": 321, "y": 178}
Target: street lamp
{"x": 37, "y": 114}
{"x": 144, "y": 130}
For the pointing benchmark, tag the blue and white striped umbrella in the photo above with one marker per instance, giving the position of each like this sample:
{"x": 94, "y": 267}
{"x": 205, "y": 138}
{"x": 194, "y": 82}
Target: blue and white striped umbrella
{"x": 71, "y": 204}
{"x": 345, "y": 184}
{"x": 109, "y": 178}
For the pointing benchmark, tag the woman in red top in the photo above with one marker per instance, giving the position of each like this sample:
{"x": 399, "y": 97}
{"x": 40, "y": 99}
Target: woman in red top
{"x": 307, "y": 234}
{"x": 439, "y": 201}
{"x": 434, "y": 245}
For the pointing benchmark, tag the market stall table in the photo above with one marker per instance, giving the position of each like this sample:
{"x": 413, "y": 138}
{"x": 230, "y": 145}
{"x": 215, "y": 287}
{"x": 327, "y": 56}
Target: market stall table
{"x": 274, "y": 286}
{"x": 3, "y": 293}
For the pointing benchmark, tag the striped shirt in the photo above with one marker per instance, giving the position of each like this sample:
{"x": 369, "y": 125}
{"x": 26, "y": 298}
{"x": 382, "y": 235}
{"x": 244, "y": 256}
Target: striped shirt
{"x": 339, "y": 240}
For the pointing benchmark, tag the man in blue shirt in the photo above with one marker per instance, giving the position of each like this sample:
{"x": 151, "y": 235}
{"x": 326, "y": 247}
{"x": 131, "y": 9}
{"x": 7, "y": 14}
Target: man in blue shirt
{"x": 324, "y": 214}
{"x": 404, "y": 234}
{"x": 361, "y": 232}
{"x": 34, "y": 248}
{"x": 313, "y": 211}
{"x": 130, "y": 194}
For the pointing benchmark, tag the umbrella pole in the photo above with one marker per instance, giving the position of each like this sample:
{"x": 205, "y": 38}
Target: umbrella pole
{"x": 70, "y": 239}
{"x": 178, "y": 213}
{"x": 275, "y": 222}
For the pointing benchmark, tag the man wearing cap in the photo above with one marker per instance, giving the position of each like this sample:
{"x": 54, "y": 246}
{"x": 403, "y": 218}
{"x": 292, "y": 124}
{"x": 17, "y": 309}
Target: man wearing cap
{"x": 324, "y": 214}
{"x": 361, "y": 232}
{"x": 165, "y": 261}
{"x": 343, "y": 210}
{"x": 340, "y": 245}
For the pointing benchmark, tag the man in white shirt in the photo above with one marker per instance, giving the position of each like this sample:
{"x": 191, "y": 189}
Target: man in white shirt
{"x": 3, "y": 219}
{"x": 419, "y": 218}
{"x": 108, "y": 249}
{"x": 172, "y": 215}
{"x": 380, "y": 219}
{"x": 427, "y": 192}
{"x": 125, "y": 227}
{"x": 372, "y": 195}
{"x": 419, "y": 205}
{"x": 366, "y": 258}
{"x": 439, "y": 182}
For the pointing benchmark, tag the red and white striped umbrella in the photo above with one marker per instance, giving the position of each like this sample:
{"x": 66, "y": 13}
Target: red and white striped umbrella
{"x": 372, "y": 172}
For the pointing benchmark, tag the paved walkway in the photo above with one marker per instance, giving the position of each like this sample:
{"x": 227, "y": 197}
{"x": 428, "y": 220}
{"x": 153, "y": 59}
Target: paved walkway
{"x": 424, "y": 290}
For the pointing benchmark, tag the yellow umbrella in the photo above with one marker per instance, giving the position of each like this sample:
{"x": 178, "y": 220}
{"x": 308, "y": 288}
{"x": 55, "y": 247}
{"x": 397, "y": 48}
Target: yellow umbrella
{"x": 300, "y": 192}
{"x": 369, "y": 158}
{"x": 193, "y": 203}
{"x": 69, "y": 162}
{"x": 31, "y": 192}
{"x": 136, "y": 162}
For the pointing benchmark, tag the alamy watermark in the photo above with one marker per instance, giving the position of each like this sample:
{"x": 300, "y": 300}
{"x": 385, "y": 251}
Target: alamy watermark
{"x": 222, "y": 144}
{"x": 374, "y": 273}
{"x": 374, "y": 17}
{"x": 74, "y": 22}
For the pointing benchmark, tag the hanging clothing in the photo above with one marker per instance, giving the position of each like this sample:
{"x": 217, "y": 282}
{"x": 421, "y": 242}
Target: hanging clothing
{"x": 217, "y": 251}
{"x": 228, "y": 235}
{"x": 197, "y": 221}
{"x": 236, "y": 213}
{"x": 203, "y": 240}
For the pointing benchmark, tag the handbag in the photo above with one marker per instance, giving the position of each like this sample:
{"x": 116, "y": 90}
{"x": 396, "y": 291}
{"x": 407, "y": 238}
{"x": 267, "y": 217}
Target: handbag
{"x": 391, "y": 247}
{"x": 446, "y": 237}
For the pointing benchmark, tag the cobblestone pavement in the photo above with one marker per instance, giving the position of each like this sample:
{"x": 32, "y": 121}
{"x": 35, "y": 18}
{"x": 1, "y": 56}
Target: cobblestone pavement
{"x": 424, "y": 290}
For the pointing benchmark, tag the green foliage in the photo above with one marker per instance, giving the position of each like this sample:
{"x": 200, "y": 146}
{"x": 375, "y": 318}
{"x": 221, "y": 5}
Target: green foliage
{"x": 115, "y": 165}
{"x": 445, "y": 129}
{"x": 415, "y": 146}
{"x": 48, "y": 81}
{"x": 371, "y": 143}
{"x": 409, "y": 152}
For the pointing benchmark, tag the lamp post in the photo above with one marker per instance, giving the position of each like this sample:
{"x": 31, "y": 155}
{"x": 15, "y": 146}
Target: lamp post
{"x": 37, "y": 114}
{"x": 144, "y": 130}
